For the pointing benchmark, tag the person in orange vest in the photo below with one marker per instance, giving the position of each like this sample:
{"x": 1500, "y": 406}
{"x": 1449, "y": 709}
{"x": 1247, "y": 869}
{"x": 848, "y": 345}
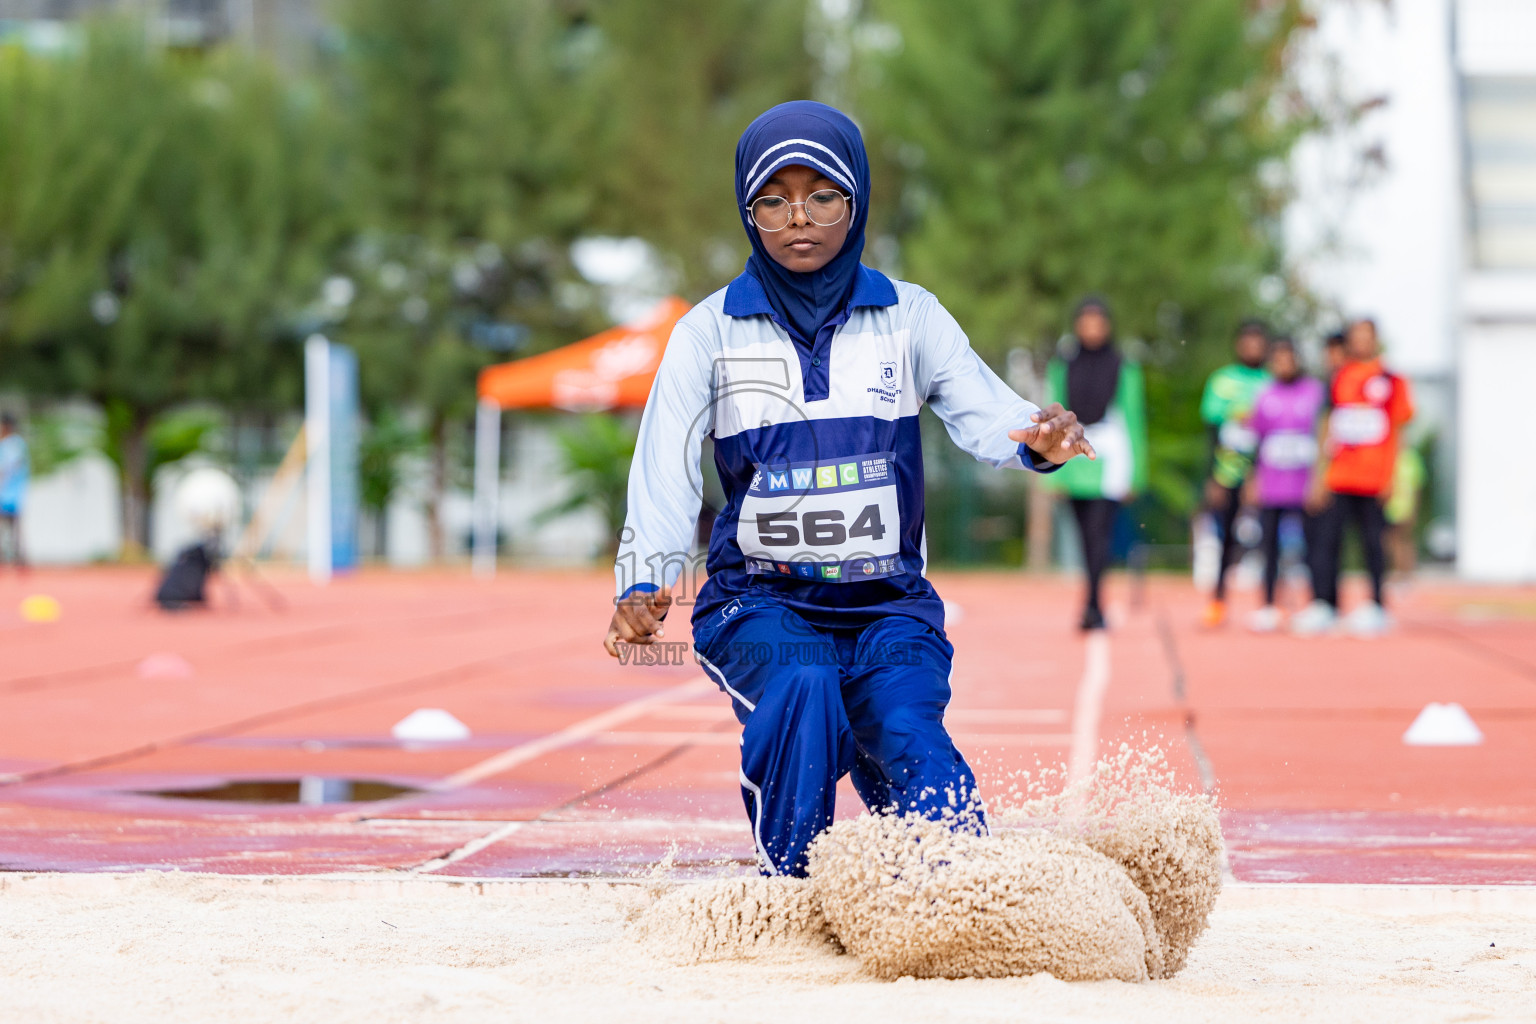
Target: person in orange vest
{"x": 1353, "y": 480}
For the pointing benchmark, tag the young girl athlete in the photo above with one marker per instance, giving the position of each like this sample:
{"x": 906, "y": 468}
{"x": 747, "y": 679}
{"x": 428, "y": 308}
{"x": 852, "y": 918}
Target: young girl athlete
{"x": 808, "y": 372}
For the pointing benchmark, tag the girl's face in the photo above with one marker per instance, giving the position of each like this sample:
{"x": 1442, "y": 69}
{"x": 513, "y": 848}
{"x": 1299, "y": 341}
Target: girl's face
{"x": 1091, "y": 328}
{"x": 803, "y": 246}
{"x": 1283, "y": 363}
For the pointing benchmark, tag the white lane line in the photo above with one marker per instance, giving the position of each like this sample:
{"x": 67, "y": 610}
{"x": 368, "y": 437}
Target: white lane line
{"x": 584, "y": 729}
{"x": 1089, "y": 708}
{"x": 470, "y": 848}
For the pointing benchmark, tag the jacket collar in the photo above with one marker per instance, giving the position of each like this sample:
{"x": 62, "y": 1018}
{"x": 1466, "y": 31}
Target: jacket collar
{"x": 745, "y": 295}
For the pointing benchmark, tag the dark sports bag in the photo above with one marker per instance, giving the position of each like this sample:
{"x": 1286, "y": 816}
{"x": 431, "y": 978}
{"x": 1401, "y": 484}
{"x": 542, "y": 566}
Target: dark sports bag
{"x": 186, "y": 578}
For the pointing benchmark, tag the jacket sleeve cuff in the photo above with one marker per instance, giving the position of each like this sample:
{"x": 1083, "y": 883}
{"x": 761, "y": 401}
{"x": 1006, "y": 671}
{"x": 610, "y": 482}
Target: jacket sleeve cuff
{"x": 1035, "y": 461}
{"x": 646, "y": 588}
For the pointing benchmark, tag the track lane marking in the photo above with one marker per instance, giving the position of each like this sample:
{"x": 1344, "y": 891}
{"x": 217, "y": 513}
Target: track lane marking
{"x": 1089, "y": 708}
{"x": 585, "y": 729}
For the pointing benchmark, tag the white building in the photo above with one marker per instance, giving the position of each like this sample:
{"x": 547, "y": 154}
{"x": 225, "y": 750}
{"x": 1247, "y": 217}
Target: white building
{"x": 1423, "y": 214}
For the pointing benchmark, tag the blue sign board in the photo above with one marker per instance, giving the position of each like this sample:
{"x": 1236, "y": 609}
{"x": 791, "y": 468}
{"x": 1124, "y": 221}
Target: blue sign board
{"x": 343, "y": 403}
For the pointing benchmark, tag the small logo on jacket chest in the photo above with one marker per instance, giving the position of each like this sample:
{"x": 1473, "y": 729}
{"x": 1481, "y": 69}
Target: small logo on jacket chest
{"x": 886, "y": 387}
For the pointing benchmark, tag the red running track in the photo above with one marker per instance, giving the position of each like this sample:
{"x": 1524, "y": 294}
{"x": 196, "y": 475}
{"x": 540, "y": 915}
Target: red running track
{"x": 579, "y": 765}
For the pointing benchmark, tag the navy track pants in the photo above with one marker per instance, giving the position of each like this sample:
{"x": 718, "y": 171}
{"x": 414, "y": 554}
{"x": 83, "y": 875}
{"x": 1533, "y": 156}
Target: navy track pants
{"x": 817, "y": 704}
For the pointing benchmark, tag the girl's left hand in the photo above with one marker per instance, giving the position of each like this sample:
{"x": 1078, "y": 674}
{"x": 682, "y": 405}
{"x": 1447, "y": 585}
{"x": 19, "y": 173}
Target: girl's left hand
{"x": 1056, "y": 435}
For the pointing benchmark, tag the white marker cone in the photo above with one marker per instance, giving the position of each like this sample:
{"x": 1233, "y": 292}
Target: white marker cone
{"x": 1443, "y": 725}
{"x": 427, "y": 725}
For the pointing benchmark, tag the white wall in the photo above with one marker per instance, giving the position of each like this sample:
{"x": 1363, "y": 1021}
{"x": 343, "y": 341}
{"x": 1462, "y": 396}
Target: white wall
{"x": 1376, "y": 223}
{"x": 1497, "y": 477}
{"x": 72, "y": 515}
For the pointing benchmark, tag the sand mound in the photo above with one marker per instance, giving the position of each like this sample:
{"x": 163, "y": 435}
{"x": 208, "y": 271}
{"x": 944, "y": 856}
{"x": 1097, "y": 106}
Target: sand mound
{"x": 1111, "y": 877}
{"x": 910, "y": 897}
{"x": 1168, "y": 842}
{"x": 735, "y": 918}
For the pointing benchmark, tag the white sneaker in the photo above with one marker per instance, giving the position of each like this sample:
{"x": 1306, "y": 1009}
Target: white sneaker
{"x": 1369, "y": 619}
{"x": 1265, "y": 620}
{"x": 1317, "y": 617}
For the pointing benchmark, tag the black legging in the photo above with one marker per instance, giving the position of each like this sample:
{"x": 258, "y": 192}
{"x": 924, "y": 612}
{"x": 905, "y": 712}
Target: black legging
{"x": 10, "y": 540}
{"x": 1366, "y": 511}
{"x": 1270, "y": 518}
{"x": 1096, "y": 525}
{"x": 1226, "y": 522}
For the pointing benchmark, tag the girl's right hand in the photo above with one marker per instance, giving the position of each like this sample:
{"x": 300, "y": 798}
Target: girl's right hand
{"x": 637, "y": 619}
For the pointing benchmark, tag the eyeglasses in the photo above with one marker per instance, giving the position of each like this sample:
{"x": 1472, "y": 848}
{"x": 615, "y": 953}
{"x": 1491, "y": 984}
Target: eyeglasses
{"x": 822, "y": 208}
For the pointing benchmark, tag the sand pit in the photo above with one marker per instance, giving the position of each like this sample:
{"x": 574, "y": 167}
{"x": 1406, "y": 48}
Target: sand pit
{"x": 167, "y": 949}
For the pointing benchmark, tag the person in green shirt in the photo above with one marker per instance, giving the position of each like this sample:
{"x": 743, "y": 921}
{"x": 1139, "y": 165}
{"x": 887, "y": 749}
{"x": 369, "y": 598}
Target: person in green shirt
{"x": 1094, "y": 379}
{"x": 1228, "y": 399}
{"x": 1402, "y": 509}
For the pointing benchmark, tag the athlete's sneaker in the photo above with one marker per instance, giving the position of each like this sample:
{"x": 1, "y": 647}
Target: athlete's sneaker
{"x": 1316, "y": 618}
{"x": 1265, "y": 620}
{"x": 1215, "y": 615}
{"x": 1092, "y": 619}
{"x": 1369, "y": 619}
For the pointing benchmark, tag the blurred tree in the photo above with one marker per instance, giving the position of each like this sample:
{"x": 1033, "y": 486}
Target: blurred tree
{"x": 474, "y": 128}
{"x": 595, "y": 455}
{"x": 1033, "y": 151}
{"x": 386, "y": 441}
{"x": 160, "y": 215}
{"x": 681, "y": 81}
{"x": 55, "y": 440}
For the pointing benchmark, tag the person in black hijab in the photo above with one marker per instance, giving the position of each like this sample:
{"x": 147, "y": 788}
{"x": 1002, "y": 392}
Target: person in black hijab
{"x": 1091, "y": 377}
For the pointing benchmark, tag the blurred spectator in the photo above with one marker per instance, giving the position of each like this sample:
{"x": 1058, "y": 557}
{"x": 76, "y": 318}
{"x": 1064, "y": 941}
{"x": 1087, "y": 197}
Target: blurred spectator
{"x": 15, "y": 469}
{"x": 1402, "y": 510}
{"x": 208, "y": 499}
{"x": 1284, "y": 423}
{"x": 1333, "y": 355}
{"x": 1354, "y": 479}
{"x": 185, "y": 582}
{"x": 1225, "y": 406}
{"x": 1094, "y": 379}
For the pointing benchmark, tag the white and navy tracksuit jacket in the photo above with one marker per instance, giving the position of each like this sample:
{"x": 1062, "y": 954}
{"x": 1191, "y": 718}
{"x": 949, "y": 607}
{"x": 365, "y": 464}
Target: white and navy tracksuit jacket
{"x": 817, "y": 447}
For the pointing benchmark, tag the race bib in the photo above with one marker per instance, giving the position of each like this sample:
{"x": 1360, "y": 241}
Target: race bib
{"x": 1358, "y": 425}
{"x": 1238, "y": 437}
{"x": 833, "y": 521}
{"x": 1288, "y": 449}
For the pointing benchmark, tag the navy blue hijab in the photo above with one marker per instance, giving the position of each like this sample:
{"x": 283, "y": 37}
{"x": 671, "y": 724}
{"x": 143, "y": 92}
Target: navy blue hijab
{"x": 823, "y": 138}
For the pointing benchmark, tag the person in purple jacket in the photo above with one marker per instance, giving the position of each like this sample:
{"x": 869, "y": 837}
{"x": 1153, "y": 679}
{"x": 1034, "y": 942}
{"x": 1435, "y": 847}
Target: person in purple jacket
{"x": 1284, "y": 421}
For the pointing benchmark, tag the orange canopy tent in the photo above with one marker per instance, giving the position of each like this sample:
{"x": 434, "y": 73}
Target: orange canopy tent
{"x": 610, "y": 370}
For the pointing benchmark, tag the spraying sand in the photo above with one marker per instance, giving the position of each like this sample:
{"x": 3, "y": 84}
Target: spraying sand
{"x": 1113, "y": 877}
{"x": 735, "y": 918}
{"x": 913, "y": 898}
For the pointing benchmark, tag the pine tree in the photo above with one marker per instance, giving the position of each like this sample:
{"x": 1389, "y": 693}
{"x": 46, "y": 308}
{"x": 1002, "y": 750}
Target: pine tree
{"x": 161, "y": 216}
{"x": 1030, "y": 152}
{"x": 471, "y": 123}
{"x": 683, "y": 80}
